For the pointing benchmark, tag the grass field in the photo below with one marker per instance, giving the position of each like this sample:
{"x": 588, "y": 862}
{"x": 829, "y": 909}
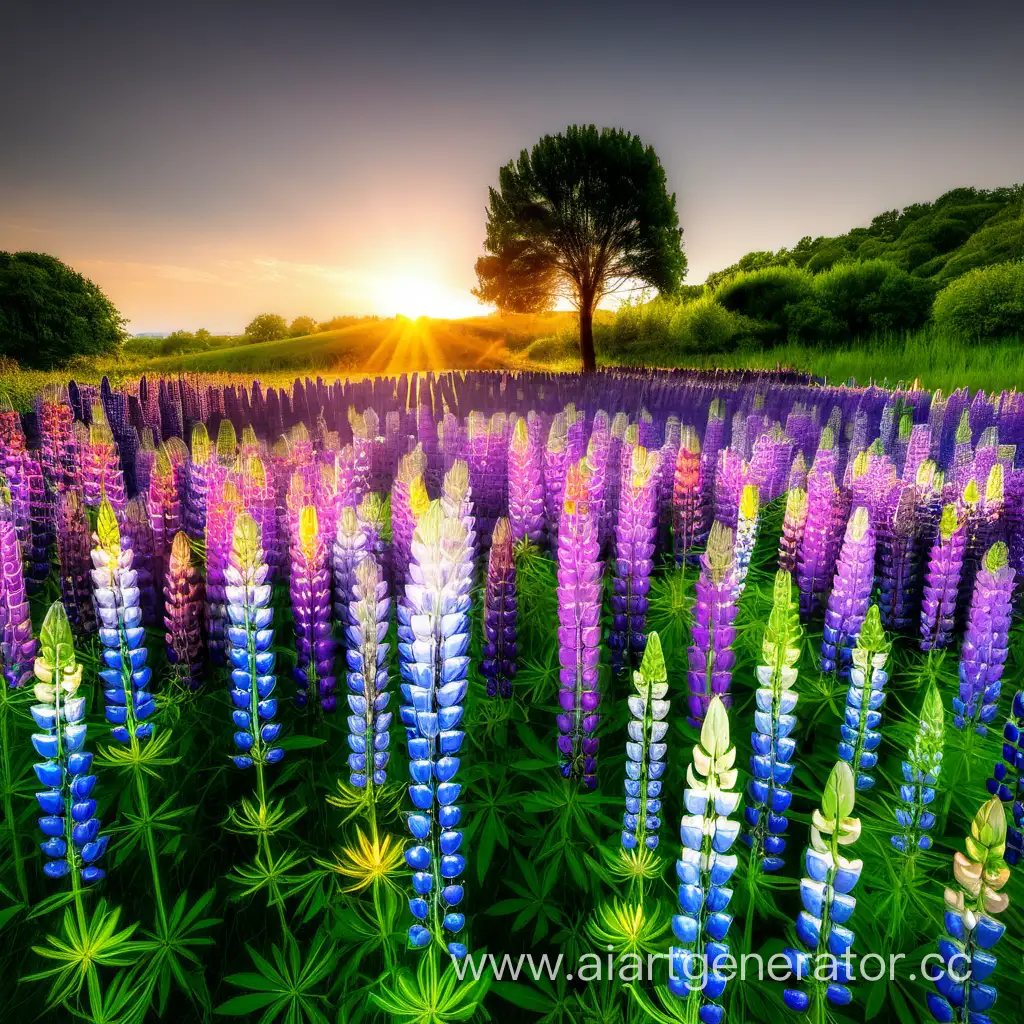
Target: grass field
{"x": 549, "y": 342}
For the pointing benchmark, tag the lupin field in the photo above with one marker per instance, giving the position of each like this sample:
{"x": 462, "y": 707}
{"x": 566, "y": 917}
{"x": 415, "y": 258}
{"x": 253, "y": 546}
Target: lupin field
{"x": 618, "y": 697}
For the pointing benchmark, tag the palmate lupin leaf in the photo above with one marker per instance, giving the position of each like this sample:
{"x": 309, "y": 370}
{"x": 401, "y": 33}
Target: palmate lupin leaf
{"x": 920, "y": 776}
{"x": 645, "y": 749}
{"x": 771, "y": 765}
{"x": 69, "y": 821}
{"x": 825, "y": 894}
{"x": 1007, "y": 782}
{"x": 962, "y": 992}
{"x": 864, "y": 699}
{"x": 705, "y": 868}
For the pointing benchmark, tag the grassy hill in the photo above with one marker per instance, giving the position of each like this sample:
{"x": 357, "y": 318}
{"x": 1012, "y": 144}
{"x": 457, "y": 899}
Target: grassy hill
{"x": 961, "y": 230}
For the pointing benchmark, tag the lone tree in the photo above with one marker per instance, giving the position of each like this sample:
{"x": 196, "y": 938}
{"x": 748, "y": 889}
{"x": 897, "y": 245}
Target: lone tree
{"x": 266, "y": 327}
{"x": 49, "y": 313}
{"x": 578, "y": 217}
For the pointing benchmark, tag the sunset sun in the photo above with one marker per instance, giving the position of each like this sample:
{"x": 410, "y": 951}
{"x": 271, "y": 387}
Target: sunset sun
{"x": 414, "y": 295}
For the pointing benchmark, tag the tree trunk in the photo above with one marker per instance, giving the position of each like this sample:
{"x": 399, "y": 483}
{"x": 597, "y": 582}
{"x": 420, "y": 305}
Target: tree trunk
{"x": 587, "y": 335}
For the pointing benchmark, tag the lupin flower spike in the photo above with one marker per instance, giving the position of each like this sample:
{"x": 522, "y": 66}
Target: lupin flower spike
{"x": 747, "y": 522}
{"x": 500, "y": 609}
{"x": 635, "y": 536}
{"x": 862, "y": 717}
{"x": 183, "y": 613}
{"x": 124, "y": 673}
{"x": 646, "y": 749}
{"x": 771, "y": 765}
{"x": 985, "y": 644}
{"x": 942, "y": 581}
{"x": 688, "y": 498}
{"x": 961, "y": 990}
{"x": 309, "y": 586}
{"x": 920, "y": 777}
{"x": 525, "y": 486}
{"x": 793, "y": 523}
{"x": 367, "y": 658}
{"x": 825, "y": 894}
{"x": 850, "y": 596}
{"x": 349, "y": 549}
{"x": 711, "y": 657}
{"x": 73, "y": 842}
{"x": 434, "y": 633}
{"x": 1007, "y": 780}
{"x": 250, "y": 636}
{"x": 17, "y": 645}
{"x": 579, "y": 631}
{"x": 705, "y": 868}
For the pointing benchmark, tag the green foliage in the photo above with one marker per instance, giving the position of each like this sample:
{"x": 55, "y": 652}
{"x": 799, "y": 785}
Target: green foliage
{"x": 984, "y": 303}
{"x": 766, "y": 296}
{"x": 50, "y": 314}
{"x": 301, "y": 326}
{"x": 579, "y": 215}
{"x": 961, "y": 230}
{"x": 266, "y": 327}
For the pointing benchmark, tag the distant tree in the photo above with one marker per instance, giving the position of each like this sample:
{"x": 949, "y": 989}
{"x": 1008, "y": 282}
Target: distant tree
{"x": 301, "y": 326}
{"x": 579, "y": 216}
{"x": 986, "y": 303}
{"x": 49, "y": 313}
{"x": 266, "y": 327}
{"x": 203, "y": 334}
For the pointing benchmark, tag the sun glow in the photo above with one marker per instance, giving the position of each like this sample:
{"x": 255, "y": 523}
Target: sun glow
{"x": 412, "y": 296}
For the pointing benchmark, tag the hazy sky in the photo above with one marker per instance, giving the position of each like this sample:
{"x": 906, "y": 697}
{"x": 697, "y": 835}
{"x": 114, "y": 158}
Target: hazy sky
{"x": 207, "y": 161}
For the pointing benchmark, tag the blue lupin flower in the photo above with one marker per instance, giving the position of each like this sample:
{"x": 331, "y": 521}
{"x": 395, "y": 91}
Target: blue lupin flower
{"x": 704, "y": 869}
{"x": 962, "y": 993}
{"x": 69, "y": 821}
{"x": 825, "y": 894}
{"x": 434, "y": 641}
{"x": 124, "y": 672}
{"x": 864, "y": 699}
{"x": 1007, "y": 780}
{"x": 771, "y": 765}
{"x": 920, "y": 776}
{"x": 645, "y": 749}
{"x": 250, "y": 635}
{"x": 367, "y": 657}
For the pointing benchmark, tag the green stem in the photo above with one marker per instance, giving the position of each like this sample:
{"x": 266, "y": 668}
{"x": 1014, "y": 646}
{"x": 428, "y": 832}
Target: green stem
{"x": 142, "y": 791}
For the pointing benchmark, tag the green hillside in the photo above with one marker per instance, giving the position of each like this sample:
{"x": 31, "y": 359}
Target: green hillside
{"x": 961, "y": 230}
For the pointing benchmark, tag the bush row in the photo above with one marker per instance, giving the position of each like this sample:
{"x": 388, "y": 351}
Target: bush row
{"x": 772, "y": 306}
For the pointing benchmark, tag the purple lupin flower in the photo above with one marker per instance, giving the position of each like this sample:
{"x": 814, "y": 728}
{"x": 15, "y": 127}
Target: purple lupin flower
{"x": 851, "y": 595}
{"x": 183, "y": 614}
{"x": 17, "y": 644}
{"x": 349, "y": 549}
{"x": 406, "y": 490}
{"x": 525, "y": 486}
{"x": 500, "y": 607}
{"x": 985, "y": 644}
{"x": 635, "y": 529}
{"x": 223, "y": 508}
{"x": 688, "y": 498}
{"x": 793, "y": 523}
{"x": 815, "y": 563}
{"x": 579, "y": 631}
{"x": 74, "y": 557}
{"x": 942, "y": 581}
{"x": 555, "y": 466}
{"x": 197, "y": 483}
{"x": 710, "y": 656}
{"x": 310, "y": 590}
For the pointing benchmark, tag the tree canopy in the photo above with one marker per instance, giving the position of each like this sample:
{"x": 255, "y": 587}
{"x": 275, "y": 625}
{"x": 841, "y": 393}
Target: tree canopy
{"x": 579, "y": 216}
{"x": 50, "y": 314}
{"x": 266, "y": 327}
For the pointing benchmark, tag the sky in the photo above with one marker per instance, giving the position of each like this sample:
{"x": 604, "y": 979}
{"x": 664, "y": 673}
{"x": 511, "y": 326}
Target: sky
{"x": 204, "y": 162}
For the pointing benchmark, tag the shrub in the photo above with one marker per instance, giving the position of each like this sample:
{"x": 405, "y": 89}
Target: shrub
{"x": 867, "y": 297}
{"x": 764, "y": 296}
{"x": 984, "y": 303}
